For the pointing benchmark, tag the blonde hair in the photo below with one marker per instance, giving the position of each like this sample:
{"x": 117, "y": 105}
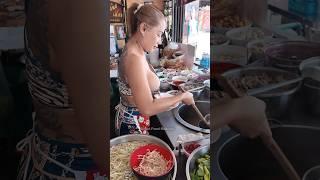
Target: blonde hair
{"x": 148, "y": 14}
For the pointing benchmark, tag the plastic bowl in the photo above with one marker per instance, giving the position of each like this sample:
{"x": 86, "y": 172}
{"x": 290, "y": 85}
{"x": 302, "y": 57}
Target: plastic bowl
{"x": 189, "y": 147}
{"x": 177, "y": 80}
{"x": 135, "y": 161}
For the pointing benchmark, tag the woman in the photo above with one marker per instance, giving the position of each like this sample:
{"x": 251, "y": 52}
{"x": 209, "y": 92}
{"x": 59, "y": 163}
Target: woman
{"x": 138, "y": 83}
{"x": 65, "y": 65}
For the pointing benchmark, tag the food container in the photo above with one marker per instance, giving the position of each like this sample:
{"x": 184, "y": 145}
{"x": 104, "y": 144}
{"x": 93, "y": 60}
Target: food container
{"x": 148, "y": 139}
{"x": 229, "y": 54}
{"x": 192, "y": 86}
{"x": 278, "y": 100}
{"x": 189, "y": 147}
{"x": 191, "y": 162}
{"x": 252, "y": 160}
{"x": 135, "y": 160}
{"x": 218, "y": 40}
{"x": 177, "y": 80}
{"x": 224, "y": 24}
{"x": 241, "y": 36}
{"x": 288, "y": 55}
{"x": 257, "y": 47}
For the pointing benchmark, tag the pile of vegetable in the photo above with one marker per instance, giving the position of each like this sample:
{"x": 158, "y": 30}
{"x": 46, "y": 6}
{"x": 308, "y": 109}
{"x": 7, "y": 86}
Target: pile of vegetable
{"x": 202, "y": 170}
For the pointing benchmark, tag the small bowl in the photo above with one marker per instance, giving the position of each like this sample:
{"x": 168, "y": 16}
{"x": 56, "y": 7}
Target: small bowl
{"x": 135, "y": 161}
{"x": 189, "y": 147}
{"x": 177, "y": 80}
{"x": 185, "y": 72}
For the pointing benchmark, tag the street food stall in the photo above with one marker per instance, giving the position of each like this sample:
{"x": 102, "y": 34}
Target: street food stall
{"x": 256, "y": 57}
{"x": 178, "y": 63}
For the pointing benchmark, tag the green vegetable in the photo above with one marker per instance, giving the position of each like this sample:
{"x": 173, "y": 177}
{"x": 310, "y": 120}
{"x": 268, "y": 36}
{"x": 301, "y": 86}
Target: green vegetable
{"x": 202, "y": 170}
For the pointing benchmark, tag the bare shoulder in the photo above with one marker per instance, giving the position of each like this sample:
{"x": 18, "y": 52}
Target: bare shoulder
{"x": 132, "y": 59}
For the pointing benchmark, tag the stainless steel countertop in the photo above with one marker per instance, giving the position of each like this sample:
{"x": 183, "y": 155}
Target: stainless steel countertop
{"x": 172, "y": 127}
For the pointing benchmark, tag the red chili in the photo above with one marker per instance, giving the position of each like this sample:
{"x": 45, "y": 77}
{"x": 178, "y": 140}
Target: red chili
{"x": 190, "y": 147}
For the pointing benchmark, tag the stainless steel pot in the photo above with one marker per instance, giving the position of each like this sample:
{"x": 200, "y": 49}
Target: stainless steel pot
{"x": 278, "y": 101}
{"x": 146, "y": 138}
{"x": 312, "y": 174}
{"x": 289, "y": 54}
{"x": 191, "y": 162}
{"x": 240, "y": 158}
{"x": 311, "y": 94}
{"x": 311, "y": 88}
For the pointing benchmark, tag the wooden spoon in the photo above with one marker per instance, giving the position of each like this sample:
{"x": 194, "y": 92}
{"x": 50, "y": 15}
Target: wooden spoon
{"x": 197, "y": 110}
{"x": 271, "y": 144}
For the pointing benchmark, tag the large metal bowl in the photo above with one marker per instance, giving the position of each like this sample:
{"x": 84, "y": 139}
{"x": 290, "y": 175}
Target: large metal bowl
{"x": 278, "y": 100}
{"x": 243, "y": 158}
{"x": 146, "y": 138}
{"x": 191, "y": 162}
{"x": 312, "y": 174}
{"x": 311, "y": 93}
{"x": 289, "y": 54}
{"x": 311, "y": 88}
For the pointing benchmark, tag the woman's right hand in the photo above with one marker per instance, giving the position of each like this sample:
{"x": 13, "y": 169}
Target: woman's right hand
{"x": 187, "y": 98}
{"x": 250, "y": 119}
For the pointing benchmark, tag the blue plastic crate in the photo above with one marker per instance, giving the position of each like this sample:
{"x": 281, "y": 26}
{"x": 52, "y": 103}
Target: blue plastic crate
{"x": 304, "y": 7}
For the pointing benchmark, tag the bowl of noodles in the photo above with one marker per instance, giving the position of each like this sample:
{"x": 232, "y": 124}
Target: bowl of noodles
{"x": 151, "y": 162}
{"x": 121, "y": 149}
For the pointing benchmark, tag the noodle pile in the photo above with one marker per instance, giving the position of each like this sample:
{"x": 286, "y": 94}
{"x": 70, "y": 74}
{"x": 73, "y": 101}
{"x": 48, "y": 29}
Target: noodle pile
{"x": 120, "y": 160}
{"x": 152, "y": 164}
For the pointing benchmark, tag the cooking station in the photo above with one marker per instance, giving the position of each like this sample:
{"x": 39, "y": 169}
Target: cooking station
{"x": 294, "y": 133}
{"x": 183, "y": 120}
{"x": 293, "y": 110}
